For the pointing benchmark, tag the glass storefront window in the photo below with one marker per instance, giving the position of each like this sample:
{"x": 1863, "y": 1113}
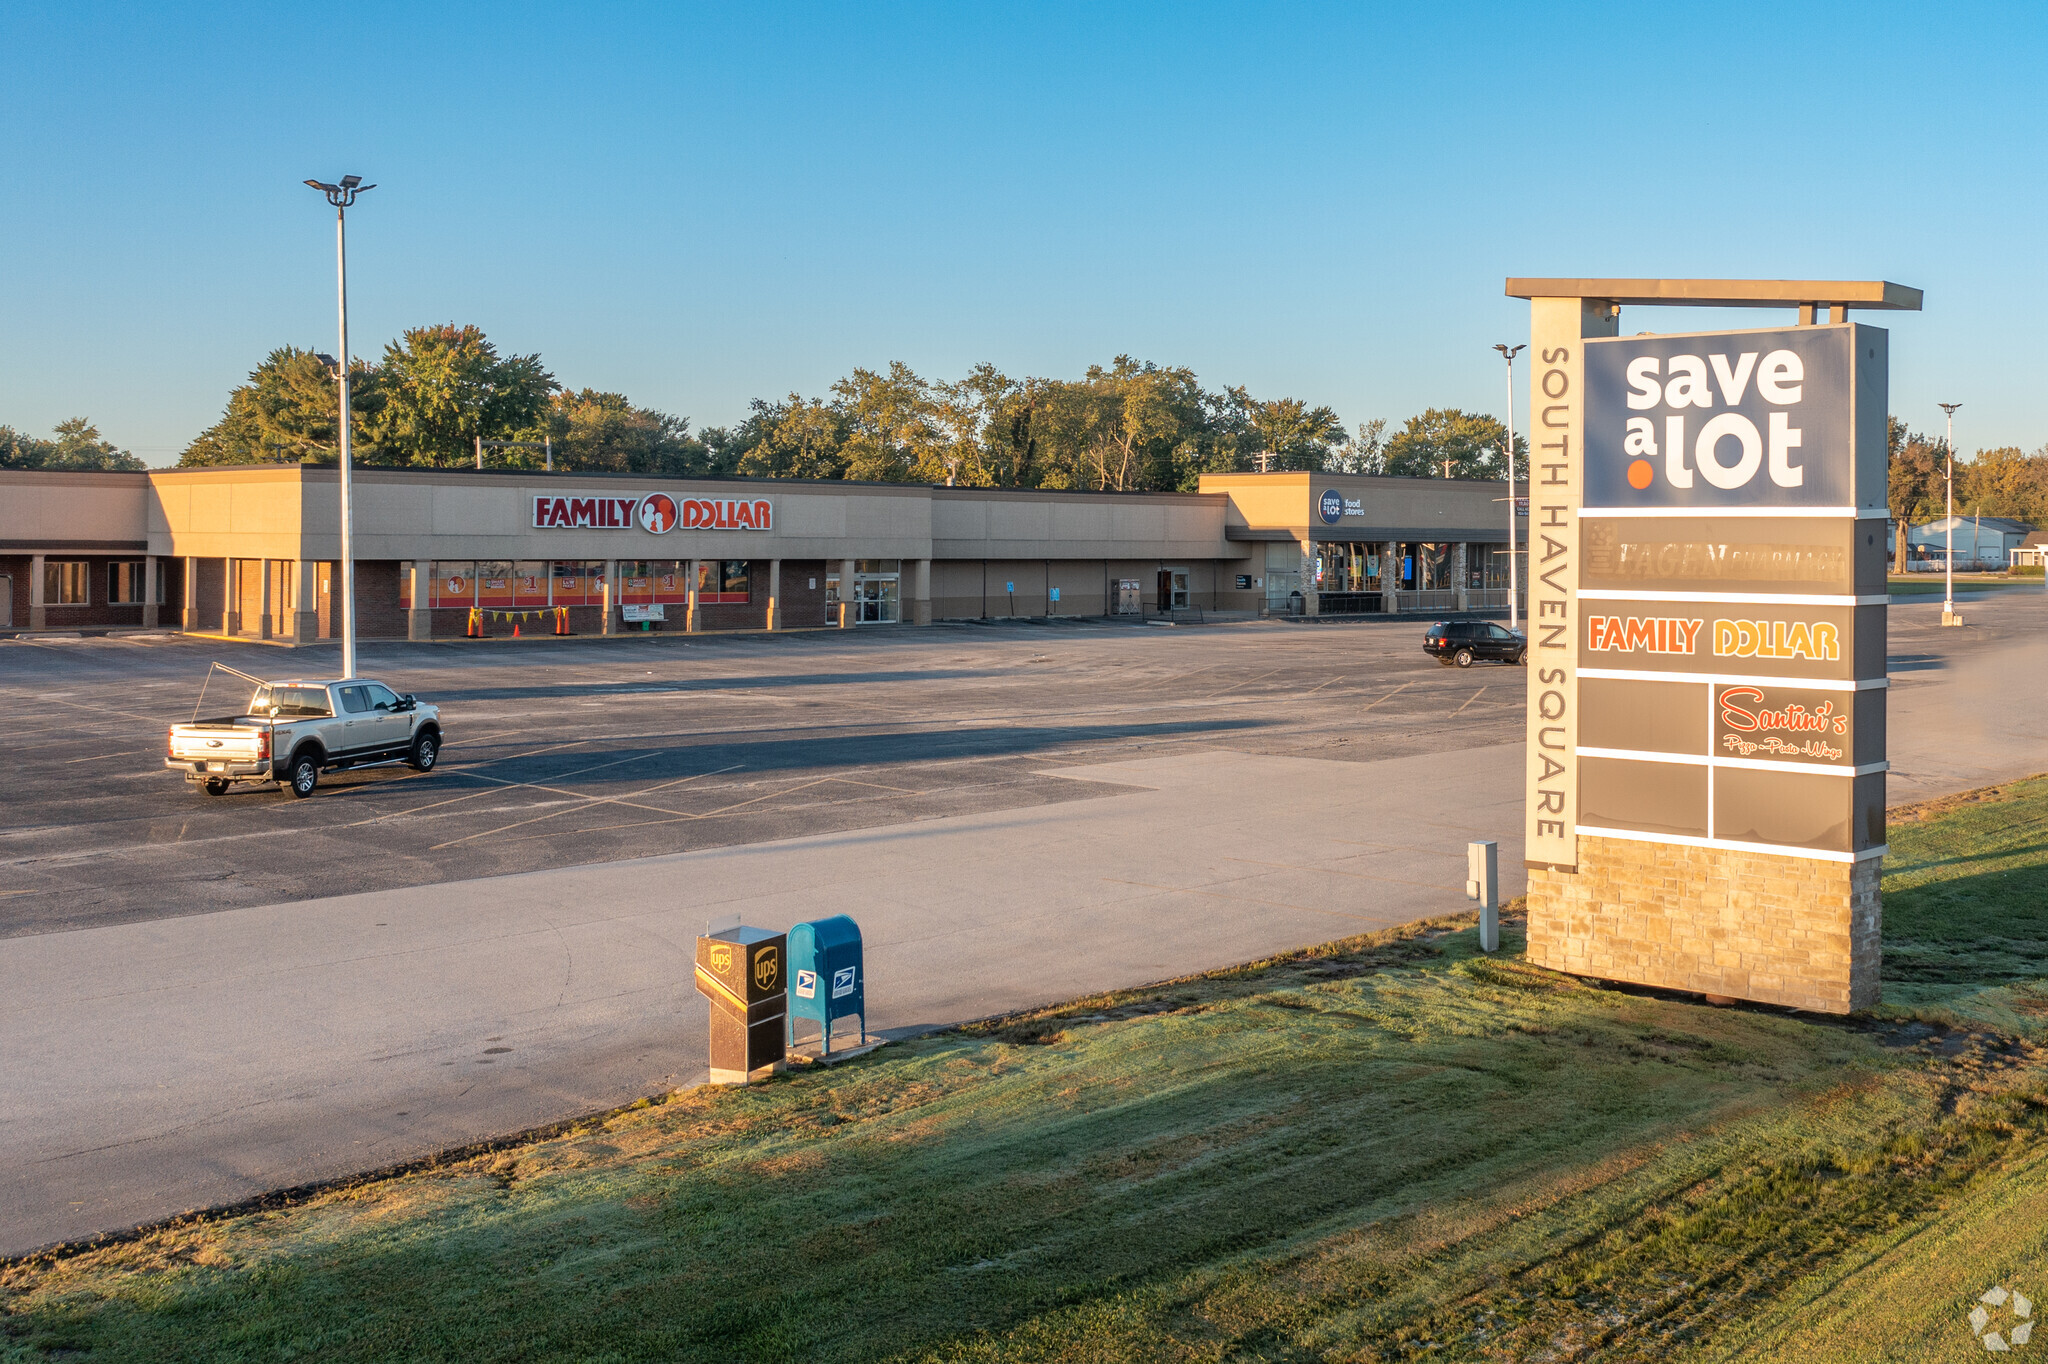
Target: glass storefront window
{"x": 65, "y": 582}
{"x": 125, "y": 581}
{"x": 454, "y": 582}
{"x": 530, "y": 582}
{"x": 654, "y": 580}
{"x": 578, "y": 582}
{"x": 722, "y": 581}
{"x": 494, "y": 582}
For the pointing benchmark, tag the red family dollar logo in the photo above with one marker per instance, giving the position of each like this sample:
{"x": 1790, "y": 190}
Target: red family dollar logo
{"x": 657, "y": 513}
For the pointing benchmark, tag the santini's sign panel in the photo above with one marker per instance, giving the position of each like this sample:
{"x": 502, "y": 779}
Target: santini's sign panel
{"x": 1732, "y": 420}
{"x": 657, "y": 513}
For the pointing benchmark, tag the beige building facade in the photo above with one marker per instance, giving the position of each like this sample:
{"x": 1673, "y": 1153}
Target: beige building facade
{"x": 254, "y": 551}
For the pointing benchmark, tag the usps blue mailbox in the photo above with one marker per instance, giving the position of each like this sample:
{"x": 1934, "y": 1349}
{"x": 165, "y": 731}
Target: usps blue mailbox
{"x": 827, "y": 979}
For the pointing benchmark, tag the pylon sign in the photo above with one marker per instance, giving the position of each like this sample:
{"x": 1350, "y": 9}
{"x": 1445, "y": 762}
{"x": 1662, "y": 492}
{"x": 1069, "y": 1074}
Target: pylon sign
{"x": 1731, "y": 604}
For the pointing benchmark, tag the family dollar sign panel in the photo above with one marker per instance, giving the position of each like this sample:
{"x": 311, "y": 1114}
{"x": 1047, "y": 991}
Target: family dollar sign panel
{"x": 1727, "y": 666}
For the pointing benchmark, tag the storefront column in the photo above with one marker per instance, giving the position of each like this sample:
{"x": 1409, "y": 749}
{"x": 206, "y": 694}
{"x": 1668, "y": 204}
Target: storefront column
{"x": 230, "y": 599}
{"x": 1461, "y": 569}
{"x": 1308, "y": 578}
{"x": 305, "y": 601}
{"x": 611, "y": 596}
{"x": 38, "y": 611}
{"x": 419, "y": 621}
{"x": 849, "y": 598}
{"x": 1390, "y": 575}
{"x": 774, "y": 594}
{"x": 921, "y": 593}
{"x": 264, "y": 599}
{"x": 149, "y": 611}
{"x": 188, "y": 613}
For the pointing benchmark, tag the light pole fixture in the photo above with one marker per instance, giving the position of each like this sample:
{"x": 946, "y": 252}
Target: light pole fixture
{"x": 341, "y": 196}
{"x": 1514, "y": 573}
{"x": 1948, "y": 603}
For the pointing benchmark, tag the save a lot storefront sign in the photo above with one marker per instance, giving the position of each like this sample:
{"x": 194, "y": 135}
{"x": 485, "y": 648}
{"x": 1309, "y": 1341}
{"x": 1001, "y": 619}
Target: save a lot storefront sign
{"x": 658, "y": 513}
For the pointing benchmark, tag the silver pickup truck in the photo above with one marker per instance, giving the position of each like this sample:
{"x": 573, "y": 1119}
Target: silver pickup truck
{"x": 291, "y": 732}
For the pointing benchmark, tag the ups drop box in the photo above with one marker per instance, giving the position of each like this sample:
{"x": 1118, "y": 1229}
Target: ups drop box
{"x": 743, "y": 972}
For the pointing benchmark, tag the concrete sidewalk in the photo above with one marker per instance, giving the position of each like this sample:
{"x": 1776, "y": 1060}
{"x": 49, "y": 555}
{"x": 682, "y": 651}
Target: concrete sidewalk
{"x": 187, "y": 1062}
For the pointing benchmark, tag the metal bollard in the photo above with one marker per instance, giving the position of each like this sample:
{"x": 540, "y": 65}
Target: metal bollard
{"x": 1482, "y": 883}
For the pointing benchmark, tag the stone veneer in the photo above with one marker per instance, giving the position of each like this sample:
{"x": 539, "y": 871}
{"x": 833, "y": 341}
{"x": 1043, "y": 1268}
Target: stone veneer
{"x": 1768, "y": 927}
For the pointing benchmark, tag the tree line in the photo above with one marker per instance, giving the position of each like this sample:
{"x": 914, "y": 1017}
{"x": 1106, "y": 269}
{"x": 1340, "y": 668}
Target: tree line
{"x": 2002, "y": 482}
{"x": 78, "y": 445}
{"x": 1128, "y": 426}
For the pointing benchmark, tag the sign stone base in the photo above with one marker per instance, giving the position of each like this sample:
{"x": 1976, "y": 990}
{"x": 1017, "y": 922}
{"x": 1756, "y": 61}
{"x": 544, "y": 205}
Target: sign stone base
{"x": 1769, "y": 927}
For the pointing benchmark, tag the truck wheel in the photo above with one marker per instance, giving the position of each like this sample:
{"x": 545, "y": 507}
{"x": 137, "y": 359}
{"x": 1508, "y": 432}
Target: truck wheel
{"x": 216, "y": 788}
{"x": 426, "y": 750}
{"x": 1463, "y": 658}
{"x": 305, "y": 775}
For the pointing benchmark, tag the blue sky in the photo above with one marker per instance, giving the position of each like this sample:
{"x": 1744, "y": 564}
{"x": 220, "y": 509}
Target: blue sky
{"x": 697, "y": 206}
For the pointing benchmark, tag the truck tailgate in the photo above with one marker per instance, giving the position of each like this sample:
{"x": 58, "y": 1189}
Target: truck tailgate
{"x": 215, "y": 743}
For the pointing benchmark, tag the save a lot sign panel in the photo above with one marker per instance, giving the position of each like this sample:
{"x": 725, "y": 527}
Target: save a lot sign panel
{"x": 1731, "y": 603}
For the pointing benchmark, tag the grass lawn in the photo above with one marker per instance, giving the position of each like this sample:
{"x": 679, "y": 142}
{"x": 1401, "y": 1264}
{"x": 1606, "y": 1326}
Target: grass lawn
{"x": 1931, "y": 584}
{"x": 1388, "y": 1148}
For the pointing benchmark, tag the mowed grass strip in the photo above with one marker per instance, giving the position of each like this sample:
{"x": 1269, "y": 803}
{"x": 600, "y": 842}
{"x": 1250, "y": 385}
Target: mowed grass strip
{"x": 1391, "y": 1147}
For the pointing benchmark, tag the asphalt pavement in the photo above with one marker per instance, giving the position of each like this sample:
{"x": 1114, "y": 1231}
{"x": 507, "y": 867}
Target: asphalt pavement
{"x": 1015, "y": 814}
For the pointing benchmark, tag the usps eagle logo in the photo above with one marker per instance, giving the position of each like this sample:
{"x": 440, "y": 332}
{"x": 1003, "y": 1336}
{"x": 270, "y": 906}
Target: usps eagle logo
{"x": 658, "y": 513}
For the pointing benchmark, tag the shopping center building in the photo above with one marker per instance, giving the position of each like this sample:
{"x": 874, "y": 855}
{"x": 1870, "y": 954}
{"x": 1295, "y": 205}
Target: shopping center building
{"x": 253, "y": 550}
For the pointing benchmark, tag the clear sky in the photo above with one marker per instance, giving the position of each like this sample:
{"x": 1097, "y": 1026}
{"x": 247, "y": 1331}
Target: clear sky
{"x": 700, "y": 205}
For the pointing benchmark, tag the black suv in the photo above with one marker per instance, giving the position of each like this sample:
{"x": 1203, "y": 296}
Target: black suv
{"x": 1460, "y": 642}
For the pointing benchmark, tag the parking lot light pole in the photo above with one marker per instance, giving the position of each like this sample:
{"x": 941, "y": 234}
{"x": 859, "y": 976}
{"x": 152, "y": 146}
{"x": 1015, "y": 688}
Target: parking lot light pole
{"x": 341, "y": 196}
{"x": 1514, "y": 573}
{"x": 1948, "y": 604}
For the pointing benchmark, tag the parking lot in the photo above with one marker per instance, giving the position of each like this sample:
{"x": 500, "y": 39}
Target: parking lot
{"x": 578, "y": 751}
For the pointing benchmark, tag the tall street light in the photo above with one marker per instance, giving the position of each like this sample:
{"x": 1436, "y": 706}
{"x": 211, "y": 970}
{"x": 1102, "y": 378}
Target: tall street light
{"x": 341, "y": 196}
{"x": 1514, "y": 573}
{"x": 1948, "y": 605}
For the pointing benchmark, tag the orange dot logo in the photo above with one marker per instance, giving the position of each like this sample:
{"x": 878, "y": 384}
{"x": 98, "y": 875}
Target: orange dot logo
{"x": 1639, "y": 474}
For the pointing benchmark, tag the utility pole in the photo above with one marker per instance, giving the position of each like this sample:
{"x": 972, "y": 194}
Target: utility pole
{"x": 1948, "y": 604}
{"x": 1514, "y": 573}
{"x": 341, "y": 196}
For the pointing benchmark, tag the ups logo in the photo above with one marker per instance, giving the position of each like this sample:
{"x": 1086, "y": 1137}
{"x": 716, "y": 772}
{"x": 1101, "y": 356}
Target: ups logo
{"x": 721, "y": 958}
{"x": 767, "y": 968}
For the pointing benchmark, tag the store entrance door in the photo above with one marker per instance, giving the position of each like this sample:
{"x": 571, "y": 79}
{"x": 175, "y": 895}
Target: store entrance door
{"x": 6, "y": 601}
{"x": 1173, "y": 589}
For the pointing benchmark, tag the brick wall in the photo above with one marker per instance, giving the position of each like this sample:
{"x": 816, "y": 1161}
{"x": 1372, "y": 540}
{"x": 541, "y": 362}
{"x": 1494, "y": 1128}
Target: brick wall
{"x": 1768, "y": 927}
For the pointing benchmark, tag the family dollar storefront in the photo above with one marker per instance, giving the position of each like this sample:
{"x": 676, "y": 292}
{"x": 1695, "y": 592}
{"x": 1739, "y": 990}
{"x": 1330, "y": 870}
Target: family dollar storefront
{"x": 1349, "y": 544}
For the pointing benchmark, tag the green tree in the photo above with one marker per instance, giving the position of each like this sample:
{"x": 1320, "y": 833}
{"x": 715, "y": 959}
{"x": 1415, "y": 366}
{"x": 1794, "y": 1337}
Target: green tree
{"x": 1362, "y": 453}
{"x": 289, "y": 411}
{"x": 446, "y": 386}
{"x": 2005, "y": 482}
{"x": 1290, "y": 434}
{"x": 78, "y": 446}
{"x": 1916, "y": 482}
{"x": 1468, "y": 443}
{"x": 892, "y": 433}
{"x": 801, "y": 438}
{"x": 605, "y": 431}
{"x": 1128, "y": 428}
